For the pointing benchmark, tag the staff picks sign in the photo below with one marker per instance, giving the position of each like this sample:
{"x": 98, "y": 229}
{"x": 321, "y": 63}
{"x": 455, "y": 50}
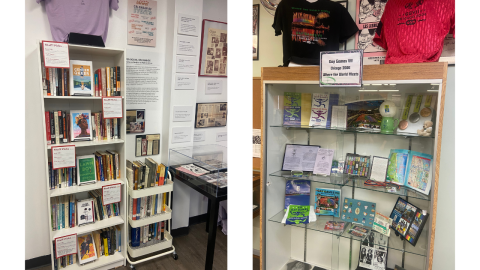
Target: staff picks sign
{"x": 341, "y": 68}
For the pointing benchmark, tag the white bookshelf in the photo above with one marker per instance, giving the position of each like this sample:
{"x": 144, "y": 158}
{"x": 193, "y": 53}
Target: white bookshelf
{"x": 100, "y": 57}
{"x": 166, "y": 216}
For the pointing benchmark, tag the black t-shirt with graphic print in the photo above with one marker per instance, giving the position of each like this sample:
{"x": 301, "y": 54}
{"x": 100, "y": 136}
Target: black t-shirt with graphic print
{"x": 309, "y": 28}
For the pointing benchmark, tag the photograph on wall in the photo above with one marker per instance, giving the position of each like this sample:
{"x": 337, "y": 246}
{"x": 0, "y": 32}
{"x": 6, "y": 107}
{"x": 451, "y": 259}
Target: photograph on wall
{"x": 142, "y": 23}
{"x": 135, "y": 121}
{"x": 368, "y": 15}
{"x": 213, "y": 53}
{"x": 81, "y": 128}
{"x": 256, "y": 27}
{"x": 211, "y": 115}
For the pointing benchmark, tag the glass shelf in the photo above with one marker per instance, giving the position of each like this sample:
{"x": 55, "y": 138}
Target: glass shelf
{"x": 356, "y": 130}
{"x": 394, "y": 242}
{"x": 345, "y": 180}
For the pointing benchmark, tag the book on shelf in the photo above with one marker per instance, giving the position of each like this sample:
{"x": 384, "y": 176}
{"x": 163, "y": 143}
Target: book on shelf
{"x": 63, "y": 212}
{"x": 142, "y": 175}
{"x": 140, "y": 208}
{"x": 61, "y": 178}
{"x": 147, "y": 235}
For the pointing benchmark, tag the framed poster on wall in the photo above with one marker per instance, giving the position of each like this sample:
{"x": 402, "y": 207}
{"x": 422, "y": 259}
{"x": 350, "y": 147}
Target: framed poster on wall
{"x": 213, "y": 51}
{"x": 211, "y": 115}
{"x": 256, "y": 30}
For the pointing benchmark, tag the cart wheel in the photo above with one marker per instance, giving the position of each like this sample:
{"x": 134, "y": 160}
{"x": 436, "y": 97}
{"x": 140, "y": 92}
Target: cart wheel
{"x": 175, "y": 256}
{"x": 132, "y": 266}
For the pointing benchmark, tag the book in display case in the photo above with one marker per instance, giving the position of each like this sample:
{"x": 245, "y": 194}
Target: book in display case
{"x": 104, "y": 144}
{"x": 351, "y": 125}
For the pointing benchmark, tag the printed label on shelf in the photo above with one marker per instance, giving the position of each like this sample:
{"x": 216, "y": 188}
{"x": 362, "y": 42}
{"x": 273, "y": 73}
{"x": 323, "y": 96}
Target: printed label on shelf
{"x": 112, "y": 193}
{"x": 63, "y": 156}
{"x": 112, "y": 107}
{"x": 55, "y": 54}
{"x": 66, "y": 245}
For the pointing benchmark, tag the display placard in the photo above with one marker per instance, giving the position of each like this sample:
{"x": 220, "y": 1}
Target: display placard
{"x": 112, "y": 193}
{"x": 182, "y": 113}
{"x": 63, "y": 156}
{"x": 188, "y": 25}
{"x": 341, "y": 68}
{"x": 213, "y": 87}
{"x": 66, "y": 245}
{"x": 142, "y": 23}
{"x": 55, "y": 54}
{"x": 112, "y": 107}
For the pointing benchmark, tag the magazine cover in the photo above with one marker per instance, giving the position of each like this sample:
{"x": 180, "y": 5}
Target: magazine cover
{"x": 397, "y": 166}
{"x": 327, "y": 202}
{"x": 402, "y": 215}
{"x": 86, "y": 170}
{"x": 298, "y": 214}
{"x": 86, "y": 249}
{"x": 419, "y": 172}
{"x": 81, "y": 78}
{"x": 416, "y": 228}
{"x": 81, "y": 127}
{"x": 297, "y": 192}
{"x": 319, "y": 112}
{"x": 334, "y": 226}
{"x": 364, "y": 114}
{"x": 292, "y": 109}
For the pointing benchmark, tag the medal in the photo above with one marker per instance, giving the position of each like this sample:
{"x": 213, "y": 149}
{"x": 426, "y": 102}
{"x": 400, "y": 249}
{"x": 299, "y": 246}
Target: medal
{"x": 404, "y": 123}
{"x": 425, "y": 112}
{"x": 414, "y": 117}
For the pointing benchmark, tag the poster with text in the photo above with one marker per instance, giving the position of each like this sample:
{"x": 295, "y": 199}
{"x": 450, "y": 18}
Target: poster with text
{"x": 211, "y": 115}
{"x": 368, "y": 15}
{"x": 142, "y": 23}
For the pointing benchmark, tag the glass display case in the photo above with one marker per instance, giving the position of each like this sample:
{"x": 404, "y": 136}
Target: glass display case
{"x": 352, "y": 122}
{"x": 202, "y": 167}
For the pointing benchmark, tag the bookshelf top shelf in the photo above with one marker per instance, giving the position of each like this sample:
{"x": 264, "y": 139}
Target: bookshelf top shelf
{"x": 88, "y": 143}
{"x": 105, "y": 51}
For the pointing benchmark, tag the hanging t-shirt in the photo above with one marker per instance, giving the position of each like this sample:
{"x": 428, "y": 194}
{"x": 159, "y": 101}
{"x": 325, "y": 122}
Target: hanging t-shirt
{"x": 309, "y": 28}
{"x": 78, "y": 16}
{"x": 412, "y": 31}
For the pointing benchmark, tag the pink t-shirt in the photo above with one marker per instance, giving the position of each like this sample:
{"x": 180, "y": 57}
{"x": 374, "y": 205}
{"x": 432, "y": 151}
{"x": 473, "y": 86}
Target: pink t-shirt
{"x": 78, "y": 16}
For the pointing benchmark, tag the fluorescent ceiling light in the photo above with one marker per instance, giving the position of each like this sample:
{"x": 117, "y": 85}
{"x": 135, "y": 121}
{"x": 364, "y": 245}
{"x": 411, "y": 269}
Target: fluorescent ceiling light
{"x": 393, "y": 84}
{"x": 388, "y": 90}
{"x": 432, "y": 90}
{"x": 376, "y": 84}
{"x": 368, "y": 90}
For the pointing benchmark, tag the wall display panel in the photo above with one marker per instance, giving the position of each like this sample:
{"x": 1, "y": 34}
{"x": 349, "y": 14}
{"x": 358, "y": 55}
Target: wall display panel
{"x": 213, "y": 51}
{"x": 211, "y": 115}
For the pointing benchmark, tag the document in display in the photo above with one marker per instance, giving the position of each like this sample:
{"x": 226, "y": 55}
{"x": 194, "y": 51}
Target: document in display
{"x": 199, "y": 136}
{"x": 257, "y": 143}
{"x": 299, "y": 157}
{"x": 181, "y": 134}
{"x": 182, "y": 113}
{"x": 379, "y": 169}
{"x": 188, "y": 25}
{"x": 213, "y": 87}
{"x": 323, "y": 162}
{"x": 187, "y": 45}
{"x": 186, "y": 64}
{"x": 184, "y": 82}
{"x": 339, "y": 117}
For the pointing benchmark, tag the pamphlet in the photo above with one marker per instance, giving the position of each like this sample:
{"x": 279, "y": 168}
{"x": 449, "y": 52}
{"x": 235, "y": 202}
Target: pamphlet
{"x": 373, "y": 252}
{"x": 292, "y": 109}
{"x": 358, "y": 231}
{"x": 339, "y": 117}
{"x": 297, "y": 192}
{"x": 300, "y": 157}
{"x": 323, "y": 161}
{"x": 319, "y": 112}
{"x": 419, "y": 172}
{"x": 192, "y": 169}
{"x": 299, "y": 214}
{"x": 397, "y": 165}
{"x": 382, "y": 224}
{"x": 379, "y": 169}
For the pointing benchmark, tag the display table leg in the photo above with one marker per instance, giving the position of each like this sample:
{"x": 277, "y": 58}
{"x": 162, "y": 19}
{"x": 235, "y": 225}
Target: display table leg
{"x": 208, "y": 215}
{"x": 212, "y": 232}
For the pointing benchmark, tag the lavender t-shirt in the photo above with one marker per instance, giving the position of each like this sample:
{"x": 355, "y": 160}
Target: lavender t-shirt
{"x": 78, "y": 16}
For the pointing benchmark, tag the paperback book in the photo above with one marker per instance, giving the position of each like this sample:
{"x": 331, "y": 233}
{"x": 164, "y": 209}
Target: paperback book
{"x": 292, "y": 115}
{"x": 81, "y": 78}
{"x": 327, "y": 202}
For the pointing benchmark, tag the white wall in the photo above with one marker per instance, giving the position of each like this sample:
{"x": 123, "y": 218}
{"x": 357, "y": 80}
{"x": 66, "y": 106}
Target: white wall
{"x": 445, "y": 228}
{"x": 37, "y": 28}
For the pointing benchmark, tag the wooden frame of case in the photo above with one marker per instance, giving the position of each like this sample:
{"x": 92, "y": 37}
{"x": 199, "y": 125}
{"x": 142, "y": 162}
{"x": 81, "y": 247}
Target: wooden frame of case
{"x": 414, "y": 71}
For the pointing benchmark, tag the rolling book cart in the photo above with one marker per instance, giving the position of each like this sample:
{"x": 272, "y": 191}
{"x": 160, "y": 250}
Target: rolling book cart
{"x": 156, "y": 245}
{"x": 100, "y": 57}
